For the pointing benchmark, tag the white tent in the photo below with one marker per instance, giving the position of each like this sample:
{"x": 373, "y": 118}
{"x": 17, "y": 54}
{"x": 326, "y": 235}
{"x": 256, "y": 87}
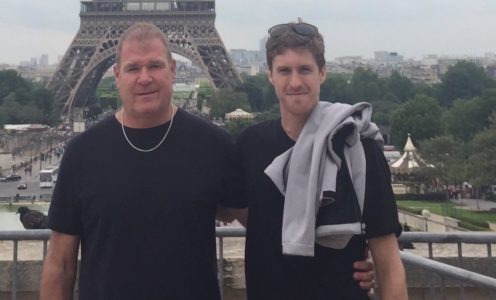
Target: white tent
{"x": 237, "y": 114}
{"x": 410, "y": 161}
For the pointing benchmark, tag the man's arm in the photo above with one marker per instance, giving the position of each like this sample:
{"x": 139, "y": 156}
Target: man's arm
{"x": 60, "y": 267}
{"x": 389, "y": 268}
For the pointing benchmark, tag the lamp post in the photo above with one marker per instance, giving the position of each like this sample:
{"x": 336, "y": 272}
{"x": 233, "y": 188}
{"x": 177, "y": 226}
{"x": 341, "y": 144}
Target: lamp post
{"x": 426, "y": 214}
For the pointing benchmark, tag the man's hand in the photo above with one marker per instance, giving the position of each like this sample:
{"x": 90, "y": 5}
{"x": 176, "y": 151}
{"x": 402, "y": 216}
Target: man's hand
{"x": 364, "y": 273}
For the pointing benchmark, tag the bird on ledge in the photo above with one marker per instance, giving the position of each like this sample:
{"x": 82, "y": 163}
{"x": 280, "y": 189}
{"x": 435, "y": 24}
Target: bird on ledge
{"x": 32, "y": 219}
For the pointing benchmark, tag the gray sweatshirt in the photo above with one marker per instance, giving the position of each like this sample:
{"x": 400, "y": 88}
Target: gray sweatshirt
{"x": 310, "y": 167}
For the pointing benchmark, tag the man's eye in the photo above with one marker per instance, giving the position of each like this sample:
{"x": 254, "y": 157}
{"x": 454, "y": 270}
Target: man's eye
{"x": 155, "y": 66}
{"x": 132, "y": 69}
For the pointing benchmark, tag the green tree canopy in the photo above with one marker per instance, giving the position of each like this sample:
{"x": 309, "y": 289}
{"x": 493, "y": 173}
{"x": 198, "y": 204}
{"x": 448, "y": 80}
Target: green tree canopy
{"x": 448, "y": 157}
{"x": 235, "y": 127}
{"x": 254, "y": 93}
{"x": 11, "y": 81}
{"x": 336, "y": 88}
{"x": 419, "y": 116}
{"x": 483, "y": 156}
{"x": 401, "y": 87}
{"x": 468, "y": 117}
{"x": 463, "y": 80}
{"x": 226, "y": 100}
{"x": 24, "y": 102}
{"x": 366, "y": 86}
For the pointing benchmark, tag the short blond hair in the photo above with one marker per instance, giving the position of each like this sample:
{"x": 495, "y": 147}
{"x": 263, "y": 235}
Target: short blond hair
{"x": 142, "y": 31}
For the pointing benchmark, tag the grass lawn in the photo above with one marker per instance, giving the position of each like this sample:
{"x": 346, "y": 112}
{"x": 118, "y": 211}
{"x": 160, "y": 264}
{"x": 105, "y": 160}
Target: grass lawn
{"x": 473, "y": 220}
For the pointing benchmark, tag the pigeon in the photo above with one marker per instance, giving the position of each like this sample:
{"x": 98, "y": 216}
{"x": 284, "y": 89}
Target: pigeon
{"x": 32, "y": 219}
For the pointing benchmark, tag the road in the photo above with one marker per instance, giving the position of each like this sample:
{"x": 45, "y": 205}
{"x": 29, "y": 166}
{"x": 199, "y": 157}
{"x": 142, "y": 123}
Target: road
{"x": 9, "y": 189}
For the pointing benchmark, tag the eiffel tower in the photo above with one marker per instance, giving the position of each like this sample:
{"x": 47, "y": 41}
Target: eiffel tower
{"x": 189, "y": 26}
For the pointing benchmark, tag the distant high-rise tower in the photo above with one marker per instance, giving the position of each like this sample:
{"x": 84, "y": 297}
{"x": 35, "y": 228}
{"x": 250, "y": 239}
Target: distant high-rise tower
{"x": 43, "y": 62}
{"x": 189, "y": 26}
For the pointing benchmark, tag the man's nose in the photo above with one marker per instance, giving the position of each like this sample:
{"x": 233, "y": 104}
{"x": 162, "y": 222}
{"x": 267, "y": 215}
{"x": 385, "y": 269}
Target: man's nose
{"x": 144, "y": 76}
{"x": 295, "y": 80}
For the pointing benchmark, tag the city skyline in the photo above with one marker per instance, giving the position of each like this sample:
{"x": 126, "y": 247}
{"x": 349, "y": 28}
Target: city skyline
{"x": 350, "y": 28}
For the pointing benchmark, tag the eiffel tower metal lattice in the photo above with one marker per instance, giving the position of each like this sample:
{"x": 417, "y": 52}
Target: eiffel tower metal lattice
{"x": 189, "y": 26}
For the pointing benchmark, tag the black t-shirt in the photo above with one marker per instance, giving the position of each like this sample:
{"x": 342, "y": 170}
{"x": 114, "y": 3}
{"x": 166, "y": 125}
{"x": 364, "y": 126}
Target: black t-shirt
{"x": 146, "y": 220}
{"x": 327, "y": 275}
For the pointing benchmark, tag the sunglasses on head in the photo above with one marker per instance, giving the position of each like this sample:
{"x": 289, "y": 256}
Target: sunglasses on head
{"x": 303, "y": 29}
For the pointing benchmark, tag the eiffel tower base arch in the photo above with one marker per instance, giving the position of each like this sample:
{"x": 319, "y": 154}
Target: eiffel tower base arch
{"x": 191, "y": 34}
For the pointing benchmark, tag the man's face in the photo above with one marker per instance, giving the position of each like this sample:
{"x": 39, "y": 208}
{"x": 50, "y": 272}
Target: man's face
{"x": 296, "y": 79}
{"x": 144, "y": 78}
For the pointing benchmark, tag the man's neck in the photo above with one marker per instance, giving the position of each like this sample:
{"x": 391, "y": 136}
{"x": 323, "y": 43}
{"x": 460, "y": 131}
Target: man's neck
{"x": 145, "y": 121}
{"x": 293, "y": 125}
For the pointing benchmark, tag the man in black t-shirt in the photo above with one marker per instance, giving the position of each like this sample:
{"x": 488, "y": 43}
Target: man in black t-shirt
{"x": 138, "y": 191}
{"x": 295, "y": 57}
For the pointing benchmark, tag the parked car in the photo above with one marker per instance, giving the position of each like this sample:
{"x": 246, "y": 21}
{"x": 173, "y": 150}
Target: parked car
{"x": 22, "y": 186}
{"x": 11, "y": 177}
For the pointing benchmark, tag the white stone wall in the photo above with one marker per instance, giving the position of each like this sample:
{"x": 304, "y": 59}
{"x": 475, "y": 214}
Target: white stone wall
{"x": 5, "y": 163}
{"x": 434, "y": 223}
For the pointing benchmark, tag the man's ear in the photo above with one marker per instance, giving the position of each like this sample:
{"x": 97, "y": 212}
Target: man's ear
{"x": 269, "y": 76}
{"x": 172, "y": 65}
{"x": 323, "y": 74}
{"x": 116, "y": 75}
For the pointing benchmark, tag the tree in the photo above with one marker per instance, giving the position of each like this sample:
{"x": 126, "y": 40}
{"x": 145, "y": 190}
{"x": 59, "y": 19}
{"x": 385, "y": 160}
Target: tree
{"x": 366, "y": 86}
{"x": 10, "y": 107}
{"x": 254, "y": 94}
{"x": 29, "y": 113}
{"x": 25, "y": 102}
{"x": 467, "y": 117}
{"x": 235, "y": 127}
{"x": 400, "y": 86}
{"x": 336, "y": 88}
{"x": 11, "y": 81}
{"x": 448, "y": 157}
{"x": 43, "y": 99}
{"x": 383, "y": 111}
{"x": 462, "y": 81}
{"x": 226, "y": 100}
{"x": 419, "y": 116}
{"x": 483, "y": 156}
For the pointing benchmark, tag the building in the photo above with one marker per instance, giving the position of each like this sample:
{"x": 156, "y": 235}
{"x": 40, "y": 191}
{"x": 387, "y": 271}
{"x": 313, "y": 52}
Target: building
{"x": 43, "y": 62}
{"x": 386, "y": 57}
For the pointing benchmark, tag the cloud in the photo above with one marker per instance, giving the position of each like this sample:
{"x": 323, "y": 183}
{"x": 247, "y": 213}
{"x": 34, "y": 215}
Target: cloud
{"x": 350, "y": 27}
{"x": 26, "y": 42}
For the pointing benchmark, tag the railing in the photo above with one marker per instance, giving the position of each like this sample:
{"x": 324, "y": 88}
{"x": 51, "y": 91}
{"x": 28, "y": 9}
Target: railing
{"x": 23, "y": 235}
{"x": 447, "y": 271}
{"x": 444, "y": 271}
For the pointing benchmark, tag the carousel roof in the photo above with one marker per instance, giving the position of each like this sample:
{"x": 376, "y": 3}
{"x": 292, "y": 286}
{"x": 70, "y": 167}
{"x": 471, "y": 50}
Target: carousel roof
{"x": 239, "y": 114}
{"x": 410, "y": 161}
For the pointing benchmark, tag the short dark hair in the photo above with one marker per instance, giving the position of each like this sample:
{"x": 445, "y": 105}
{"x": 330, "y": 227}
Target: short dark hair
{"x": 142, "y": 31}
{"x": 292, "y": 40}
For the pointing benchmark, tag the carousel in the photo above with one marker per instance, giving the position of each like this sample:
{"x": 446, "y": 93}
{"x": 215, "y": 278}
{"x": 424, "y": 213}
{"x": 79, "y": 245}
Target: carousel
{"x": 239, "y": 114}
{"x": 409, "y": 171}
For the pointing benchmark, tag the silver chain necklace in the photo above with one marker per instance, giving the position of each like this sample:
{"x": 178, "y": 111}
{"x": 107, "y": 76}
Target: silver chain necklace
{"x": 159, "y": 143}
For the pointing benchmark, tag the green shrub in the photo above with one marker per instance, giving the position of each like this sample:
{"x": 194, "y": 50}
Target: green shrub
{"x": 471, "y": 226}
{"x": 412, "y": 210}
{"x": 438, "y": 197}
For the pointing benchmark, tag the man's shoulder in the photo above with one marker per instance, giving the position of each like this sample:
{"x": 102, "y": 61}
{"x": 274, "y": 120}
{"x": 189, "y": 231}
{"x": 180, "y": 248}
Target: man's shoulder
{"x": 260, "y": 128}
{"x": 194, "y": 125}
{"x": 93, "y": 133}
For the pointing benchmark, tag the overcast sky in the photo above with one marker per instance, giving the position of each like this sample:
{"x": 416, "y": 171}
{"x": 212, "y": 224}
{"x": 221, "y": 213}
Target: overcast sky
{"x": 413, "y": 28}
